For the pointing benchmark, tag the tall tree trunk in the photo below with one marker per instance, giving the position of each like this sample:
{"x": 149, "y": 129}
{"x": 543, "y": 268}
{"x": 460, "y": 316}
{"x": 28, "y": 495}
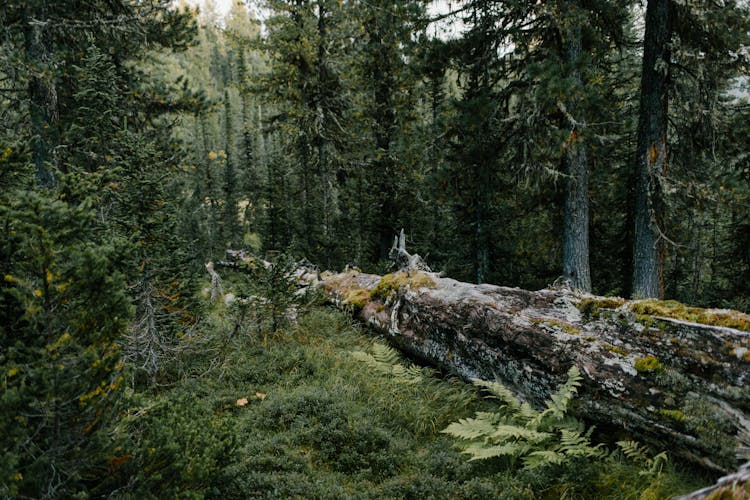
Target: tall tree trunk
{"x": 42, "y": 96}
{"x": 382, "y": 68}
{"x": 230, "y": 181}
{"x": 576, "y": 268}
{"x": 648, "y": 266}
{"x": 322, "y": 132}
{"x": 482, "y": 253}
{"x": 304, "y": 226}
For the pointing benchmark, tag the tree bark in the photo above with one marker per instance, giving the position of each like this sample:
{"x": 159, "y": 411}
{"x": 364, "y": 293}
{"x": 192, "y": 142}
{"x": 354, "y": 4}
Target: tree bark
{"x": 322, "y": 136}
{"x": 576, "y": 269}
{"x": 677, "y": 385}
{"x": 382, "y": 57}
{"x": 648, "y": 280}
{"x": 735, "y": 486}
{"x": 42, "y": 96}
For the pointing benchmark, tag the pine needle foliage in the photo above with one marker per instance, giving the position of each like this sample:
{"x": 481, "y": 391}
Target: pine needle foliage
{"x": 517, "y": 431}
{"x": 384, "y": 360}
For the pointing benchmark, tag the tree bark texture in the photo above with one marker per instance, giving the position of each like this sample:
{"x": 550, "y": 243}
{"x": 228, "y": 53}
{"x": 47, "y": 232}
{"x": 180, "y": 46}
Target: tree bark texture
{"x": 576, "y": 269}
{"x": 735, "y": 486}
{"x": 648, "y": 280}
{"x": 382, "y": 57}
{"x": 677, "y": 385}
{"x": 42, "y": 96}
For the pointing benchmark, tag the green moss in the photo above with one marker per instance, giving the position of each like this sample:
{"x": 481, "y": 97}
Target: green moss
{"x": 592, "y": 307}
{"x": 673, "y": 379}
{"x": 645, "y": 320}
{"x": 557, "y": 324}
{"x": 676, "y": 415}
{"x": 648, "y": 364}
{"x": 713, "y": 428}
{"x": 396, "y": 281}
{"x": 676, "y": 310}
{"x": 616, "y": 350}
{"x": 357, "y": 297}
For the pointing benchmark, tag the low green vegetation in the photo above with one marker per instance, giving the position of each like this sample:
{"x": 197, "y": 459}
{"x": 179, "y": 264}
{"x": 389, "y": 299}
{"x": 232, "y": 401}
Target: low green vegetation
{"x": 320, "y": 410}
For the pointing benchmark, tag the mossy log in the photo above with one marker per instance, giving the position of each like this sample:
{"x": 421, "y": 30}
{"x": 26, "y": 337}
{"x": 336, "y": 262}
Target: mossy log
{"x": 676, "y": 384}
{"x": 735, "y": 486}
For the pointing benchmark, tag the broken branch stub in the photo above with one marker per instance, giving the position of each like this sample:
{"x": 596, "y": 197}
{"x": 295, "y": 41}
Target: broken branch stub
{"x": 404, "y": 260}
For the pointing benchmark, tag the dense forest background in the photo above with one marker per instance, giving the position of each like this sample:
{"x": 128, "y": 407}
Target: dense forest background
{"x": 528, "y": 144}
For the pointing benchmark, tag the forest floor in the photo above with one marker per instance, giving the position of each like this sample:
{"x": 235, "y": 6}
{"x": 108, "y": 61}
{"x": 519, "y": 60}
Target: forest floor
{"x": 297, "y": 414}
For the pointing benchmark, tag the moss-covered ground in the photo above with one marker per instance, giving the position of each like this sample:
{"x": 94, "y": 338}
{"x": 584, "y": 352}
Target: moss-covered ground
{"x": 293, "y": 414}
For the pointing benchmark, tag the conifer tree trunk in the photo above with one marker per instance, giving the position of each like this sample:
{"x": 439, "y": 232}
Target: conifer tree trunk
{"x": 230, "y": 191}
{"x": 306, "y": 230}
{"x": 382, "y": 57}
{"x": 648, "y": 267}
{"x": 42, "y": 101}
{"x": 576, "y": 213}
{"x": 322, "y": 131}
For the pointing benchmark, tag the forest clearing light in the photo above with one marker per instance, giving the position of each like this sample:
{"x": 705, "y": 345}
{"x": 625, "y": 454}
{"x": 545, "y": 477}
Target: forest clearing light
{"x": 447, "y": 28}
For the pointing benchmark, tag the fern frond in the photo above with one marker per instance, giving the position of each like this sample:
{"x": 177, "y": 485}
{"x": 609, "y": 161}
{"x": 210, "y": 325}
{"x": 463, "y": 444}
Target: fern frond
{"x": 506, "y": 432}
{"x": 539, "y": 438}
{"x": 573, "y": 444}
{"x": 500, "y": 392}
{"x": 634, "y": 451}
{"x": 657, "y": 464}
{"x": 527, "y": 412}
{"x": 558, "y": 403}
{"x": 542, "y": 458}
{"x": 385, "y": 354}
{"x": 495, "y": 418}
{"x": 479, "y": 451}
{"x": 409, "y": 375}
{"x": 571, "y": 440}
{"x": 470, "y": 428}
{"x": 384, "y": 360}
{"x": 372, "y": 363}
{"x": 652, "y": 466}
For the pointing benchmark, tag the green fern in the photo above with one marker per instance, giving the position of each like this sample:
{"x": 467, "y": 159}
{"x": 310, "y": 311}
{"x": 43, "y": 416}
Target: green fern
{"x": 538, "y": 438}
{"x": 651, "y": 465}
{"x": 558, "y": 403}
{"x": 384, "y": 360}
{"x": 471, "y": 428}
{"x": 385, "y": 354}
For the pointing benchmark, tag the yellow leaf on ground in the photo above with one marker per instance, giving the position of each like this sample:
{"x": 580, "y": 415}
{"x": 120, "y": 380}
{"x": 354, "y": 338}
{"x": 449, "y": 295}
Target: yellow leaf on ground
{"x": 260, "y": 395}
{"x": 242, "y": 402}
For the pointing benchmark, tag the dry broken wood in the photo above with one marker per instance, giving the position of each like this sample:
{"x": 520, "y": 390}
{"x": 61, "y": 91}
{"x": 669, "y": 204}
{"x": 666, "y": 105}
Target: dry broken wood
{"x": 675, "y": 384}
{"x": 403, "y": 259}
{"x": 734, "y": 486}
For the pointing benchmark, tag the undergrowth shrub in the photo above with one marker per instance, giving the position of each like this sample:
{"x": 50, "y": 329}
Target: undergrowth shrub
{"x": 170, "y": 446}
{"x": 411, "y": 397}
{"x": 316, "y": 422}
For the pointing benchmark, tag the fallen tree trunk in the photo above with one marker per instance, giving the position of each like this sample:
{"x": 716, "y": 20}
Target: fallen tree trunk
{"x": 676, "y": 384}
{"x": 735, "y": 486}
